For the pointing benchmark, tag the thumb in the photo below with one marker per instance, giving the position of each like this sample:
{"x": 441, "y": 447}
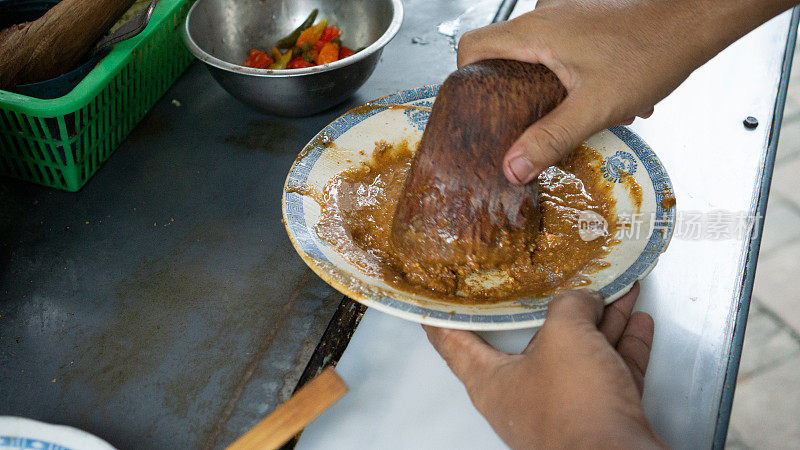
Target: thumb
{"x": 568, "y": 310}
{"x": 466, "y": 353}
{"x": 575, "y": 307}
{"x": 550, "y": 139}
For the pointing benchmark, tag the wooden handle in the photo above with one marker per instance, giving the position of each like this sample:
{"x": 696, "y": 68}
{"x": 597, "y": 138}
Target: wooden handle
{"x": 294, "y": 415}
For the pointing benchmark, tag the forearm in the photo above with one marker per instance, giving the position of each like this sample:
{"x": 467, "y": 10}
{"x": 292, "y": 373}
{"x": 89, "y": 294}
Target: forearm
{"x": 725, "y": 21}
{"x": 677, "y": 36}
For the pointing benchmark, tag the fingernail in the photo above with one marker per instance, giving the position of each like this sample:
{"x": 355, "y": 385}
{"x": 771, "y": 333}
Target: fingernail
{"x": 522, "y": 169}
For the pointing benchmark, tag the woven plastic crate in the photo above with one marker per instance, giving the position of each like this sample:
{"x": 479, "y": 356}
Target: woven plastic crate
{"x": 62, "y": 142}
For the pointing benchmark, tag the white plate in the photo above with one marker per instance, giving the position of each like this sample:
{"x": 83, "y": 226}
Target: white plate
{"x": 22, "y": 433}
{"x": 358, "y": 130}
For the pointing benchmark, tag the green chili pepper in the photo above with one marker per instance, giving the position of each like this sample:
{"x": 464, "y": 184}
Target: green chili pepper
{"x": 336, "y": 41}
{"x": 289, "y": 40}
{"x": 303, "y": 51}
{"x": 281, "y": 62}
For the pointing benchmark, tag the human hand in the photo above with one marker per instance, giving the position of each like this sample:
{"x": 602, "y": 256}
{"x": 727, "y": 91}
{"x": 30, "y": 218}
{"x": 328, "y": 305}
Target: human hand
{"x": 617, "y": 58}
{"x": 577, "y": 384}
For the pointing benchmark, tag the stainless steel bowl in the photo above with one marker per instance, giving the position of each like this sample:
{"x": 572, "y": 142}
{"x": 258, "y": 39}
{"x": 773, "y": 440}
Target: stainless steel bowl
{"x": 221, "y": 33}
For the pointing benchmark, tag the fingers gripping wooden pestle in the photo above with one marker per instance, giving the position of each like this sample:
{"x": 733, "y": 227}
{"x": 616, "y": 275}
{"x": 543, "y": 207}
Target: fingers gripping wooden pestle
{"x": 457, "y": 207}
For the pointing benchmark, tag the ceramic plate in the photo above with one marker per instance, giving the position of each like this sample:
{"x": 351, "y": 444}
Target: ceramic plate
{"x": 22, "y": 433}
{"x": 354, "y": 135}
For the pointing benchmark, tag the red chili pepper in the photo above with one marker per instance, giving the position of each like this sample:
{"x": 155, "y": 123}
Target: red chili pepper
{"x": 329, "y": 33}
{"x": 257, "y": 60}
{"x": 298, "y": 63}
{"x": 344, "y": 52}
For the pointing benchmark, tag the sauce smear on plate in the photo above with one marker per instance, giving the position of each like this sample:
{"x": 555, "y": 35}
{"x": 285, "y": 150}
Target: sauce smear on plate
{"x": 358, "y": 208}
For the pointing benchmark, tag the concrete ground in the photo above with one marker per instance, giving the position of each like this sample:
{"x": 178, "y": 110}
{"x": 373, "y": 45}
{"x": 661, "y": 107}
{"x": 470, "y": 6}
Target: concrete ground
{"x": 766, "y": 406}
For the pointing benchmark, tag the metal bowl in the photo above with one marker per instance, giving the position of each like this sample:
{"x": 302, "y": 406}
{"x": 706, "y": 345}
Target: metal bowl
{"x": 221, "y": 33}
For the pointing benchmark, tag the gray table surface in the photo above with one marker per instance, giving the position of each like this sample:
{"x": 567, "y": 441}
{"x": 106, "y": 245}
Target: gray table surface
{"x": 163, "y": 305}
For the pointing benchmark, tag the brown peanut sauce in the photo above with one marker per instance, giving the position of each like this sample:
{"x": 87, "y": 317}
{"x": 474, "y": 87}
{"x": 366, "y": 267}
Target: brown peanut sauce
{"x": 369, "y": 107}
{"x": 634, "y": 190}
{"x": 668, "y": 201}
{"x": 358, "y": 208}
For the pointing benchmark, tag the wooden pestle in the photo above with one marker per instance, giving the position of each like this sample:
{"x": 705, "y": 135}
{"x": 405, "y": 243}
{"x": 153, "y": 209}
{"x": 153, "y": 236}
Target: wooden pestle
{"x": 457, "y": 208}
{"x": 57, "y": 42}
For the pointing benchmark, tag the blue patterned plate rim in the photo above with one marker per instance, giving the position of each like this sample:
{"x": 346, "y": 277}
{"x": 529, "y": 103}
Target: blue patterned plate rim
{"x": 22, "y": 433}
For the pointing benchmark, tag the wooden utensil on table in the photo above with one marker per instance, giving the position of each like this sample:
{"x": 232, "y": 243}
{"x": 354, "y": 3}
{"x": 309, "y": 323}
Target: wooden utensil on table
{"x": 56, "y": 42}
{"x": 294, "y": 415}
{"x": 457, "y": 206}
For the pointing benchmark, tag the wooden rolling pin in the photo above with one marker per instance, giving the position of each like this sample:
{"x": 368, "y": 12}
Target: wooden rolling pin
{"x": 291, "y": 417}
{"x": 56, "y": 42}
{"x": 457, "y": 206}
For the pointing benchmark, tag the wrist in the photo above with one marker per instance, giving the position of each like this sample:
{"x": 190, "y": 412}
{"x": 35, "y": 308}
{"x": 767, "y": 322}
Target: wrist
{"x": 630, "y": 430}
{"x": 637, "y": 437}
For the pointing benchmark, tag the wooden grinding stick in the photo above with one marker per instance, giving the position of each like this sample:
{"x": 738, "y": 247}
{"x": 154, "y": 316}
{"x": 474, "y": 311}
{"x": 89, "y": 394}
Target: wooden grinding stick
{"x": 457, "y": 207}
{"x": 57, "y": 42}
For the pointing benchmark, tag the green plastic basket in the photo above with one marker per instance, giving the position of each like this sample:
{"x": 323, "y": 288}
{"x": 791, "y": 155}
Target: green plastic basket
{"x": 62, "y": 142}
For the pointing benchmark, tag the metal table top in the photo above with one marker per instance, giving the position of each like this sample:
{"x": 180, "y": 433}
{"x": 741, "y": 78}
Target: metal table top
{"x": 163, "y": 305}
